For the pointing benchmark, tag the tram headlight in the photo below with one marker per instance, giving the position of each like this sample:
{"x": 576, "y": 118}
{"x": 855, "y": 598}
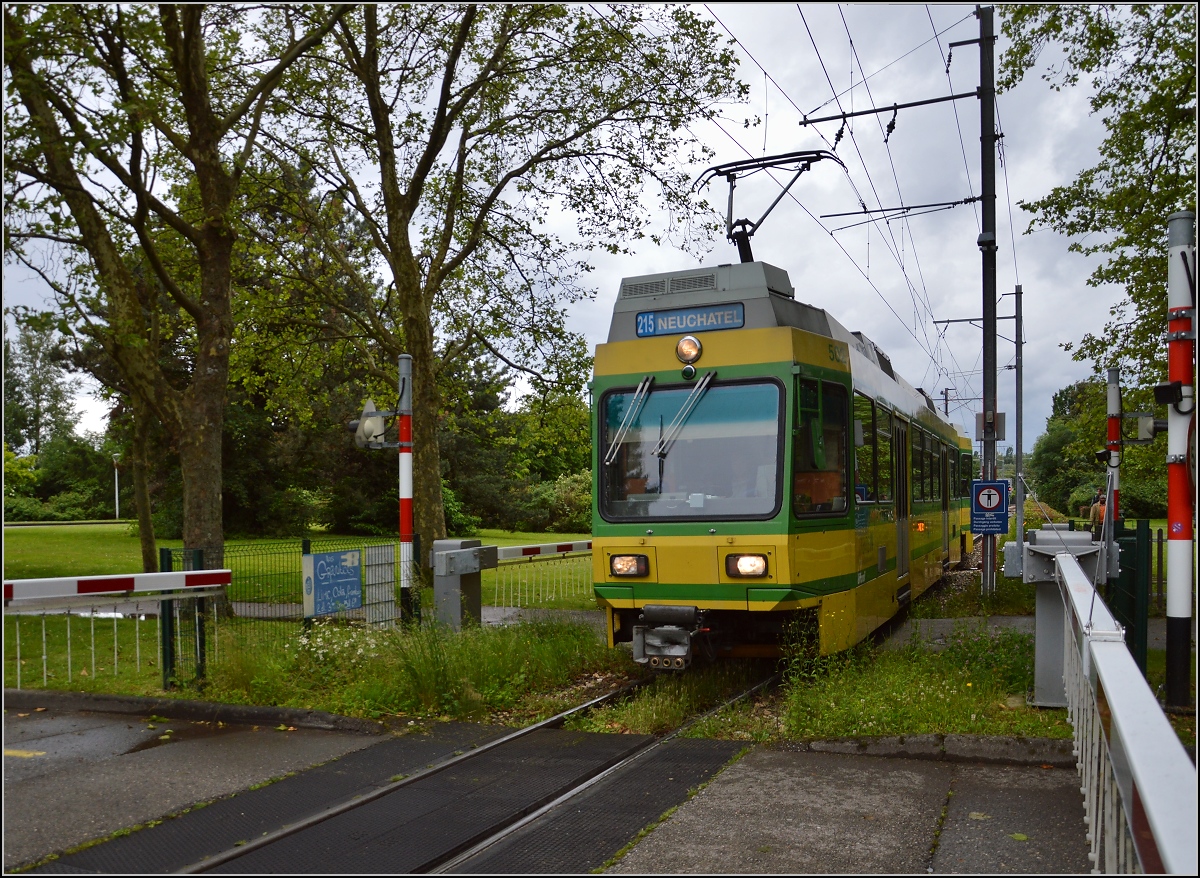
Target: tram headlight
{"x": 746, "y": 565}
{"x": 688, "y": 349}
{"x": 629, "y": 565}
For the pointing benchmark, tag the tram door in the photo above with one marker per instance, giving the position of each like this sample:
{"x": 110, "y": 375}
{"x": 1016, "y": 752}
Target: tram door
{"x": 900, "y": 453}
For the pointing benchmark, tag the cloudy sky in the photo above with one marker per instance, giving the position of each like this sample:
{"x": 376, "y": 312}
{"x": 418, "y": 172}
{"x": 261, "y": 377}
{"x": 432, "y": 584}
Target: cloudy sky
{"x": 889, "y": 280}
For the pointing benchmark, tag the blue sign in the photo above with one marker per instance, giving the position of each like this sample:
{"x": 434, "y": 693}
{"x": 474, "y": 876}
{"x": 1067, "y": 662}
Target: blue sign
{"x": 332, "y": 582}
{"x": 989, "y": 507}
{"x": 706, "y": 319}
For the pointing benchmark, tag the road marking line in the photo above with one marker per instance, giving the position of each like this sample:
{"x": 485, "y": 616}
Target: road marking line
{"x": 24, "y": 754}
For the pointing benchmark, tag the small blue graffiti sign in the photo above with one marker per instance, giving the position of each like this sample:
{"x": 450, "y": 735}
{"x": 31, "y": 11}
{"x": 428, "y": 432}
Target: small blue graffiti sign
{"x": 332, "y": 582}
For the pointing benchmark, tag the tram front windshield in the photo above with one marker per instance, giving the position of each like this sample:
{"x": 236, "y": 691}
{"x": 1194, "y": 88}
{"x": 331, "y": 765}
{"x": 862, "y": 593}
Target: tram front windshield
{"x": 723, "y": 462}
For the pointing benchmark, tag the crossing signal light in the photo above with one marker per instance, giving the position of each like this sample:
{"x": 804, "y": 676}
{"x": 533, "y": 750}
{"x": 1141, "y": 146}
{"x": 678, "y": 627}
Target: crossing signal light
{"x": 368, "y": 430}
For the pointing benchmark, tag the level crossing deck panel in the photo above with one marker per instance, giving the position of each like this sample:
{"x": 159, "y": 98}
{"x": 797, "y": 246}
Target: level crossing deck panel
{"x": 584, "y": 833}
{"x": 405, "y": 830}
{"x": 179, "y": 842}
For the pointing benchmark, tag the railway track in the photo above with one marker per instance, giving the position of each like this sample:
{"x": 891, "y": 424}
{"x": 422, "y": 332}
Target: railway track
{"x": 467, "y": 812}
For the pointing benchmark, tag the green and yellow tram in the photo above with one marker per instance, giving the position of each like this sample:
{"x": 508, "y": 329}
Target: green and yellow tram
{"x": 756, "y": 464}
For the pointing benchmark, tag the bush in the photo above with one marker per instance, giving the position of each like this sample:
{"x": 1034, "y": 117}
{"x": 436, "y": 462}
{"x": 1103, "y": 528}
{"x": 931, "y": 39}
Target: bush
{"x": 168, "y": 519}
{"x": 459, "y": 522}
{"x": 293, "y": 510}
{"x": 561, "y": 506}
{"x": 64, "y": 506}
{"x": 1144, "y": 498}
{"x": 1081, "y": 497}
{"x": 571, "y": 504}
{"x": 24, "y": 509}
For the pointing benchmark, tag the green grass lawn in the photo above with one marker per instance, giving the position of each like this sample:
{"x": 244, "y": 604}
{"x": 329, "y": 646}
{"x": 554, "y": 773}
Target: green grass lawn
{"x": 42, "y": 551}
{"x": 45, "y": 551}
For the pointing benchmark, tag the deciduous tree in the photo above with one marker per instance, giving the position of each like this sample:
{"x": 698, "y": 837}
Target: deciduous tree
{"x": 483, "y": 149}
{"x": 1140, "y": 60}
{"x": 127, "y": 131}
{"x": 38, "y": 392}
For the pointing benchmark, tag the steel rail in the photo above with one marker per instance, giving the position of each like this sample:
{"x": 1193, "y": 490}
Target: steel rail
{"x": 509, "y": 830}
{"x": 329, "y": 813}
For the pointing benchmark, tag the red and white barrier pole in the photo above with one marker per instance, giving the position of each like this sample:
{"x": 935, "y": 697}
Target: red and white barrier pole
{"x": 1112, "y": 509}
{"x": 1181, "y": 360}
{"x": 404, "y": 424}
{"x": 133, "y": 583}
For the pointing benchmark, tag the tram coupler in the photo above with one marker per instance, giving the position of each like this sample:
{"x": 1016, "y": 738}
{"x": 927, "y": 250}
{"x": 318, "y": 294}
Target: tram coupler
{"x": 663, "y": 637}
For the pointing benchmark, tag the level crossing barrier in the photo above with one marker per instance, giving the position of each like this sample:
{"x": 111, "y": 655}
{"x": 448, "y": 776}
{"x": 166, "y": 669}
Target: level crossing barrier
{"x": 520, "y": 576}
{"x": 1138, "y": 783}
{"x": 177, "y": 601}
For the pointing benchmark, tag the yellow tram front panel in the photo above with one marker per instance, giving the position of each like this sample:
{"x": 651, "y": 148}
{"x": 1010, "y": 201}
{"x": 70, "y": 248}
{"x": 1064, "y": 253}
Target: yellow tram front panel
{"x": 769, "y": 397}
{"x": 758, "y": 347}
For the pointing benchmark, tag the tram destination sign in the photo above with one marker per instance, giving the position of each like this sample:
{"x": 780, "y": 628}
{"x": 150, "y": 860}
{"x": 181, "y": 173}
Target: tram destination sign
{"x": 332, "y": 582}
{"x": 989, "y": 507}
{"x": 703, "y": 319}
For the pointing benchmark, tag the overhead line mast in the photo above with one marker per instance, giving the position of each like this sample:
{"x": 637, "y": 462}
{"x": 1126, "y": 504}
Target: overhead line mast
{"x": 986, "y": 242}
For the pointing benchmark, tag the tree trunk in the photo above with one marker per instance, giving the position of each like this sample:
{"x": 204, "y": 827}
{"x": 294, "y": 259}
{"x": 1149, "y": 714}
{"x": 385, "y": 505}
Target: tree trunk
{"x": 429, "y": 516}
{"x": 199, "y": 436}
{"x": 141, "y": 488}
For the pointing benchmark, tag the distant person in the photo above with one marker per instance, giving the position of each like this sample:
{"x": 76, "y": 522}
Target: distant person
{"x": 1098, "y": 513}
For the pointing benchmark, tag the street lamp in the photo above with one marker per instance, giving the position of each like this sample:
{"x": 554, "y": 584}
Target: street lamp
{"x": 116, "y": 489}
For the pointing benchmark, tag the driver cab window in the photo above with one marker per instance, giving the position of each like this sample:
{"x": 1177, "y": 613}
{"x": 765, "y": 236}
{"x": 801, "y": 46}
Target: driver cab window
{"x": 819, "y": 451}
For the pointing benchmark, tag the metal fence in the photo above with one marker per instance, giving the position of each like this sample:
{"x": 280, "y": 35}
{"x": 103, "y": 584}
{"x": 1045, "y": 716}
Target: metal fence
{"x": 541, "y": 581}
{"x": 1138, "y": 783}
{"x": 150, "y": 641}
{"x": 1155, "y": 564}
{"x": 266, "y": 596}
{"x": 143, "y": 641}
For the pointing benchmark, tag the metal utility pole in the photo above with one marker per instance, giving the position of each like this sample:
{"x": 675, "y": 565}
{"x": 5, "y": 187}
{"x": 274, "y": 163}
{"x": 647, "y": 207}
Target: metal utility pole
{"x": 368, "y": 432}
{"x": 987, "y": 246}
{"x": 1019, "y": 479}
{"x": 987, "y": 242}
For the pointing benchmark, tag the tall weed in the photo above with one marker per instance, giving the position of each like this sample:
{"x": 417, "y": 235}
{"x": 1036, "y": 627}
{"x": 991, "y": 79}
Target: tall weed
{"x": 976, "y": 686}
{"x": 423, "y": 671}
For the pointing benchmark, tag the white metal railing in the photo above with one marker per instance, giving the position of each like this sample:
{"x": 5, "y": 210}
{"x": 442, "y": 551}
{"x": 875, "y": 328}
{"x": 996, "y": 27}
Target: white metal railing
{"x": 1138, "y": 783}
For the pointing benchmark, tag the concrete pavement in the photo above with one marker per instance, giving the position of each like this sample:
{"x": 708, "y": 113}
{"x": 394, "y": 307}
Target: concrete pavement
{"x": 78, "y": 768}
{"x": 817, "y": 811}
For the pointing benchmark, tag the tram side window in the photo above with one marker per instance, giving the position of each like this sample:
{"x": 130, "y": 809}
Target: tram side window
{"x": 953, "y": 463}
{"x": 865, "y": 460}
{"x": 935, "y": 461}
{"x": 964, "y": 473}
{"x": 883, "y": 447}
{"x": 930, "y": 467}
{"x": 918, "y": 465}
{"x": 819, "y": 452}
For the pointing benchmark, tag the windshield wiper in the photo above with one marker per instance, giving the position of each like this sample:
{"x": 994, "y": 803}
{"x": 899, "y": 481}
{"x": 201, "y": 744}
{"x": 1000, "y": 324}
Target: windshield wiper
{"x": 668, "y": 438}
{"x": 639, "y": 399}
